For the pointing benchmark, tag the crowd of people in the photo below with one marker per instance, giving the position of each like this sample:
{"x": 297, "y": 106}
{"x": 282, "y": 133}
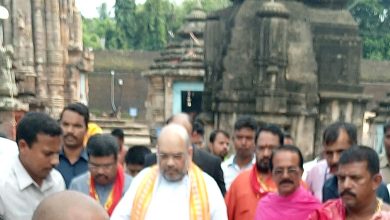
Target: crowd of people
{"x": 69, "y": 169}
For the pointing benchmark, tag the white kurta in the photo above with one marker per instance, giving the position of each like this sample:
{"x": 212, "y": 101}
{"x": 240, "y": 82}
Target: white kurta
{"x": 171, "y": 200}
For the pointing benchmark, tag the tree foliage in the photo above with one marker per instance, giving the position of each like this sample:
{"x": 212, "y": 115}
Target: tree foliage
{"x": 126, "y": 21}
{"x": 144, "y": 26}
{"x": 147, "y": 26}
{"x": 374, "y": 27}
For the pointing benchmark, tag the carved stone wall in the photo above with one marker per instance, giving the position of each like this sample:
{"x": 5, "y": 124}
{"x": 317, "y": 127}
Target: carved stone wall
{"x": 48, "y": 58}
{"x": 292, "y": 63}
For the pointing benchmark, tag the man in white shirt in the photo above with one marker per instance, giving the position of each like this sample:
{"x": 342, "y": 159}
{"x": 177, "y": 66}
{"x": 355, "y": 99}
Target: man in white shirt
{"x": 244, "y": 145}
{"x": 336, "y": 138}
{"x": 8, "y": 147}
{"x": 174, "y": 189}
{"x": 31, "y": 176}
{"x": 8, "y": 150}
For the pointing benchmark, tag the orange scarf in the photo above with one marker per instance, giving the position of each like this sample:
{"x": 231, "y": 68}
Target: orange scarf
{"x": 199, "y": 206}
{"x": 259, "y": 185}
{"x": 116, "y": 191}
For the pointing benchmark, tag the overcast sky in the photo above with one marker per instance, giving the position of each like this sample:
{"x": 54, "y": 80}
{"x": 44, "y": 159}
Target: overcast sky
{"x": 88, "y": 7}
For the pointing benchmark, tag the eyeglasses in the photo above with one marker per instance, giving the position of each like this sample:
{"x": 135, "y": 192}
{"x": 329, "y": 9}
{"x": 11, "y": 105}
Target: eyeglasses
{"x": 177, "y": 156}
{"x": 108, "y": 166}
{"x": 290, "y": 171}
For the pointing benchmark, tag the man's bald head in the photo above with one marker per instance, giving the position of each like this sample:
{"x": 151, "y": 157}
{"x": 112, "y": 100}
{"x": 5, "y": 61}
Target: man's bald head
{"x": 174, "y": 152}
{"x": 174, "y": 133}
{"x": 182, "y": 119}
{"x": 69, "y": 205}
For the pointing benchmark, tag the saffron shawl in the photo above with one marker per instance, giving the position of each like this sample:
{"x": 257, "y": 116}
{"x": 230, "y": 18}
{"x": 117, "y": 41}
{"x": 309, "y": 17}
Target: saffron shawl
{"x": 199, "y": 206}
{"x": 116, "y": 191}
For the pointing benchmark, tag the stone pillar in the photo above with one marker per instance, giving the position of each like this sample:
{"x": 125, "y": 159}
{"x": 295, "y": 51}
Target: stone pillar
{"x": 7, "y": 24}
{"x": 77, "y": 31}
{"x": 40, "y": 59}
{"x": 55, "y": 62}
{"x": 272, "y": 57}
{"x": 22, "y": 40}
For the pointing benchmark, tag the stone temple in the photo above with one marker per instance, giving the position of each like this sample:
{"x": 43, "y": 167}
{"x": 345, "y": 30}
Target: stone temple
{"x": 49, "y": 65}
{"x": 294, "y": 63}
{"x": 175, "y": 79}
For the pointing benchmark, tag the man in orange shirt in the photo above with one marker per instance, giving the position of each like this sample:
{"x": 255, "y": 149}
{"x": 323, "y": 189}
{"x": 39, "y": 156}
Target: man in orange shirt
{"x": 246, "y": 190}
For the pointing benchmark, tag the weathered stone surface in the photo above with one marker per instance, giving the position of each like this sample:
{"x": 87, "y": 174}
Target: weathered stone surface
{"x": 48, "y": 53}
{"x": 293, "y": 63}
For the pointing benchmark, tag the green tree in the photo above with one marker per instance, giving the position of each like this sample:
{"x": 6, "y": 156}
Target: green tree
{"x": 102, "y": 32}
{"x": 374, "y": 27}
{"x": 207, "y": 5}
{"x": 126, "y": 20}
{"x": 91, "y": 38}
{"x": 145, "y": 26}
{"x": 155, "y": 16}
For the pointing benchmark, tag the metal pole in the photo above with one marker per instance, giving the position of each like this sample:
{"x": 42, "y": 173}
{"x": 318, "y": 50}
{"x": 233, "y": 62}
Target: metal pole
{"x": 113, "y": 91}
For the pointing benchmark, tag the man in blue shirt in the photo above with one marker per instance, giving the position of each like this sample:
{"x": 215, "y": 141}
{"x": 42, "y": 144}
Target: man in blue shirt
{"x": 73, "y": 158}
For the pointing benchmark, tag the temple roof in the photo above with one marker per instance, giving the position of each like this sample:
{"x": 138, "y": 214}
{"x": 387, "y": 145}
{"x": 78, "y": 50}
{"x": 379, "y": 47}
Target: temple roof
{"x": 272, "y": 8}
{"x": 184, "y": 56}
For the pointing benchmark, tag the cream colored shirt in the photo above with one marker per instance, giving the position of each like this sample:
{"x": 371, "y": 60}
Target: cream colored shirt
{"x": 170, "y": 200}
{"x": 20, "y": 195}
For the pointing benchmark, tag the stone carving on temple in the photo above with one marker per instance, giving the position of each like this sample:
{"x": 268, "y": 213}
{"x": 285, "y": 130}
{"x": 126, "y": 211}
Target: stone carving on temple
{"x": 49, "y": 58}
{"x": 289, "y": 62}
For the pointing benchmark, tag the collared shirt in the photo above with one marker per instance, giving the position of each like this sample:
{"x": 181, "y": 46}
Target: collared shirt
{"x": 68, "y": 170}
{"x": 330, "y": 190}
{"x": 170, "y": 200}
{"x": 316, "y": 178}
{"x": 8, "y": 150}
{"x": 8, "y": 147}
{"x": 20, "y": 194}
{"x": 81, "y": 184}
{"x": 231, "y": 169}
{"x": 385, "y": 169}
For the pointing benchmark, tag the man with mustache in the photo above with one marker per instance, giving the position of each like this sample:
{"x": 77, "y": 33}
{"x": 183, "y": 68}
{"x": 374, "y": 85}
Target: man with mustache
{"x": 253, "y": 184}
{"x": 219, "y": 143}
{"x": 291, "y": 199}
{"x": 174, "y": 189}
{"x": 336, "y": 138}
{"x": 74, "y": 121}
{"x": 339, "y": 137}
{"x": 30, "y": 176}
{"x": 358, "y": 180}
{"x": 106, "y": 180}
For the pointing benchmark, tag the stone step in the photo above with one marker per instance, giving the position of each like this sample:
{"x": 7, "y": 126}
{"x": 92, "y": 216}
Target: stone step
{"x": 128, "y": 132}
{"x": 135, "y": 133}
